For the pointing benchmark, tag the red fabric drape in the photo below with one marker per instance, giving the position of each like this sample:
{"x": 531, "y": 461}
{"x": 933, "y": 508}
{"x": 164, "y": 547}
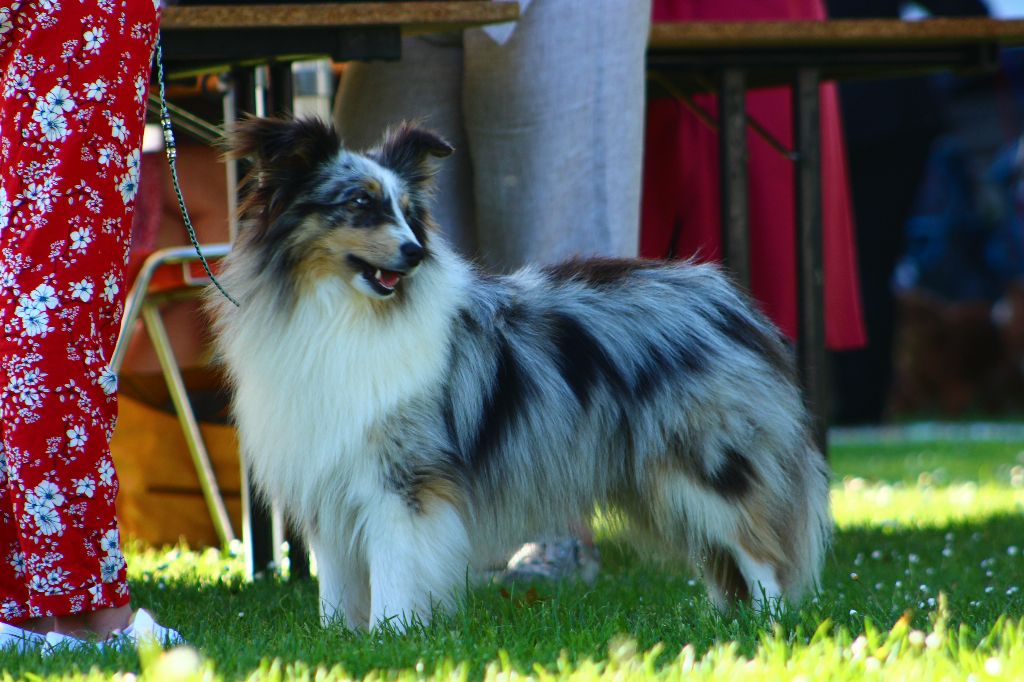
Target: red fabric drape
{"x": 681, "y": 194}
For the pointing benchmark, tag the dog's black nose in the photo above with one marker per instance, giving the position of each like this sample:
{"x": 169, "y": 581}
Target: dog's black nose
{"x": 413, "y": 252}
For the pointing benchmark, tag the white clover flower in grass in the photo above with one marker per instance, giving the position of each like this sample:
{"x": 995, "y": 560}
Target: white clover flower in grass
{"x": 94, "y": 38}
{"x": 860, "y": 645}
{"x": 84, "y": 486}
{"x": 96, "y": 90}
{"x": 1012, "y": 550}
{"x": 118, "y": 128}
{"x": 77, "y": 437}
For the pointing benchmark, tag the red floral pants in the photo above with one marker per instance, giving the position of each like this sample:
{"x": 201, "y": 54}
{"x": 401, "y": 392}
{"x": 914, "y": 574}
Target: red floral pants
{"x": 74, "y": 76}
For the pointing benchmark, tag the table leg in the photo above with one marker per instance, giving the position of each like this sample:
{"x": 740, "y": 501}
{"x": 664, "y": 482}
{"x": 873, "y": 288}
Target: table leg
{"x": 732, "y": 155}
{"x": 257, "y": 523}
{"x": 809, "y": 235}
{"x": 281, "y": 102}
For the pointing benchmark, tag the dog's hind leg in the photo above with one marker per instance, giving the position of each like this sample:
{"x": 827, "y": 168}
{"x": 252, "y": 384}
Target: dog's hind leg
{"x": 762, "y": 581}
{"x": 344, "y": 583}
{"x": 418, "y": 559}
{"x": 725, "y": 582}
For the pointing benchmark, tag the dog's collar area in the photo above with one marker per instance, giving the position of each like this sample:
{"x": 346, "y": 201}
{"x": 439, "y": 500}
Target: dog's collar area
{"x": 381, "y": 280}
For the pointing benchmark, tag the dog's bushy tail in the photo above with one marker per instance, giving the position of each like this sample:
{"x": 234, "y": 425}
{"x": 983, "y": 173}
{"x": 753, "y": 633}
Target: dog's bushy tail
{"x": 813, "y": 535}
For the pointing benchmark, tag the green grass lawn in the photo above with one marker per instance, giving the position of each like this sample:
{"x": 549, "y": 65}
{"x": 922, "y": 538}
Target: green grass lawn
{"x": 925, "y": 581}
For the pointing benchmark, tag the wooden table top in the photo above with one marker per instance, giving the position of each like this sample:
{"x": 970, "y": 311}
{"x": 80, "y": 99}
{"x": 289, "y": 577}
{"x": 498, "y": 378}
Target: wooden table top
{"x": 836, "y": 33}
{"x": 412, "y": 17}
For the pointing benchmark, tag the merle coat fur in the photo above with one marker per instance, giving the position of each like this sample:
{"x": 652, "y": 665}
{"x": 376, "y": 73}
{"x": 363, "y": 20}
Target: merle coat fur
{"x": 418, "y": 418}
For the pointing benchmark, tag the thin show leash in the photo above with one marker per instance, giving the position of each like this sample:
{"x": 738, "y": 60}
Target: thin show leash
{"x": 172, "y": 162}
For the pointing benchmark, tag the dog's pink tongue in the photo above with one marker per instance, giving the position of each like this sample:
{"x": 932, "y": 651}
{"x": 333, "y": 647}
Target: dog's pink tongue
{"x": 388, "y": 278}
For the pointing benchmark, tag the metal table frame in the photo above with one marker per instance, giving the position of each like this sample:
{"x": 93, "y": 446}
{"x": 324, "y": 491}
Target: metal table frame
{"x": 730, "y": 57}
{"x": 241, "y": 40}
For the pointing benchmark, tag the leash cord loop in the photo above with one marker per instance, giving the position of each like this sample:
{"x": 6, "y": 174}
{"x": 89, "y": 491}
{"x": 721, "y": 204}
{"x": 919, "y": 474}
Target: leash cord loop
{"x": 172, "y": 157}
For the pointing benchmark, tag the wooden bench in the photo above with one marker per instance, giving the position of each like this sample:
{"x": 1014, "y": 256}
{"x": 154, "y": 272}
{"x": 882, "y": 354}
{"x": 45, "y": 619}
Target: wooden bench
{"x": 730, "y": 57}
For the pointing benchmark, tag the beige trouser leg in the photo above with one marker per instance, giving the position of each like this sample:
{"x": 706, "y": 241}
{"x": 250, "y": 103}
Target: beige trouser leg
{"x": 552, "y": 121}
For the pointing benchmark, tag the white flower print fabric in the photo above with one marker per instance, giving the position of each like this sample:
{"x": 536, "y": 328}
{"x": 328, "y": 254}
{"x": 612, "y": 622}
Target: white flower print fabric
{"x": 73, "y": 77}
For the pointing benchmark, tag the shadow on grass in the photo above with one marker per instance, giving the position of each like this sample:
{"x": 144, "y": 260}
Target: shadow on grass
{"x": 875, "y": 572}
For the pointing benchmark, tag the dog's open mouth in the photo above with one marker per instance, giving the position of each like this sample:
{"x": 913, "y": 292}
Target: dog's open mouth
{"x": 380, "y": 280}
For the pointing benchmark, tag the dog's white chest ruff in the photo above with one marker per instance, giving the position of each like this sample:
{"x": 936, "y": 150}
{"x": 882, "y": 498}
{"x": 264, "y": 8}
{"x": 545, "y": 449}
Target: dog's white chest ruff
{"x": 312, "y": 386}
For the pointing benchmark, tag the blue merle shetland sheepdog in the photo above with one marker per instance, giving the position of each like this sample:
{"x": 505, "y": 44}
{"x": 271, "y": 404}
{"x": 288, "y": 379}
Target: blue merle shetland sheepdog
{"x": 418, "y": 418}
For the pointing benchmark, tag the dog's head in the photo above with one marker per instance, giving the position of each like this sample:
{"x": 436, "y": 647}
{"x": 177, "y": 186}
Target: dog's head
{"x": 317, "y": 210}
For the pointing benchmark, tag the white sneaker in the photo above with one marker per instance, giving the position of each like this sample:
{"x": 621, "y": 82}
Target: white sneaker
{"x": 144, "y": 627}
{"x": 55, "y": 641}
{"x": 19, "y": 639}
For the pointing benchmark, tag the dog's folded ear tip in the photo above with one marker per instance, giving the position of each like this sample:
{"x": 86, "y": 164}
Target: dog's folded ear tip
{"x": 443, "y": 149}
{"x": 281, "y": 141}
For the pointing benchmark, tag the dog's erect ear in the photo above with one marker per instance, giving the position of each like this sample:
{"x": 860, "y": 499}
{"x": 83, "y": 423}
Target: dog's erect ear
{"x": 412, "y": 152}
{"x": 282, "y": 147}
{"x": 283, "y": 154}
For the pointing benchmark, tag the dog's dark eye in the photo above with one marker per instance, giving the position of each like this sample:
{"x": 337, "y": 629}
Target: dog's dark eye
{"x": 360, "y": 200}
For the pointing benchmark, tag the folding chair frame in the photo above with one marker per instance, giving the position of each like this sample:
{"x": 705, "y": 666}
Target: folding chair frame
{"x": 141, "y": 302}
